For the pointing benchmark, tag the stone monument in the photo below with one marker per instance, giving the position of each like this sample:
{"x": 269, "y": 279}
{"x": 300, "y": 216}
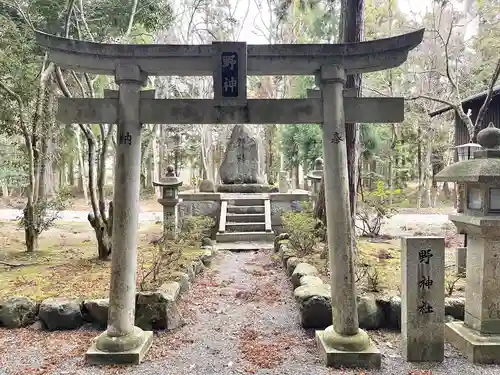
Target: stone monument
{"x": 241, "y": 163}
{"x": 242, "y": 166}
{"x": 422, "y": 305}
{"x": 343, "y": 344}
{"x": 478, "y": 336}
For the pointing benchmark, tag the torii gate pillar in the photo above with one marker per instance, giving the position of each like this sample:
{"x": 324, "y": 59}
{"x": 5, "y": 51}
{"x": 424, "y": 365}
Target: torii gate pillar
{"x": 342, "y": 344}
{"x": 121, "y": 335}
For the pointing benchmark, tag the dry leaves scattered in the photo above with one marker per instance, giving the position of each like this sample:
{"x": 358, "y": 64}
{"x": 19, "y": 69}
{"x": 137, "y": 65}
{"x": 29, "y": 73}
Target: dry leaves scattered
{"x": 264, "y": 351}
{"x": 51, "y": 349}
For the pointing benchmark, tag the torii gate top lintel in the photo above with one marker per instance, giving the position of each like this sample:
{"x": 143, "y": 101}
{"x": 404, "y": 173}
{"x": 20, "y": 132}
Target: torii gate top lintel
{"x": 196, "y": 60}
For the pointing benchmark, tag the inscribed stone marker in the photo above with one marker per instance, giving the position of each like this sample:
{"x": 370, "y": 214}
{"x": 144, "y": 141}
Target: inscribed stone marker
{"x": 422, "y": 305}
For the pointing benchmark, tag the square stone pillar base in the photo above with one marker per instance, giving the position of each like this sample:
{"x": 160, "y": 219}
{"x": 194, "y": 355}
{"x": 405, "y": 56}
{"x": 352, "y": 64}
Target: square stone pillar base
{"x": 368, "y": 358}
{"x": 135, "y": 356}
{"x": 476, "y": 347}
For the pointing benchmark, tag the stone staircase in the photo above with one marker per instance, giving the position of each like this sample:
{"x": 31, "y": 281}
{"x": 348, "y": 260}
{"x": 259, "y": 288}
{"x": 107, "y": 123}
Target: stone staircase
{"x": 245, "y": 222}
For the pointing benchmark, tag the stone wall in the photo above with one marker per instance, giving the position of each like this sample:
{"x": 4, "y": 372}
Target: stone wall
{"x": 156, "y": 309}
{"x": 375, "y": 311}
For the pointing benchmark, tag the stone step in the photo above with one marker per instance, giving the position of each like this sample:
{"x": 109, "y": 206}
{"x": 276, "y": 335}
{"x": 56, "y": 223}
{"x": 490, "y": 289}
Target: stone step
{"x": 245, "y": 236}
{"x": 245, "y": 209}
{"x": 246, "y": 202}
{"x": 245, "y": 227}
{"x": 244, "y": 246}
{"x": 246, "y": 218}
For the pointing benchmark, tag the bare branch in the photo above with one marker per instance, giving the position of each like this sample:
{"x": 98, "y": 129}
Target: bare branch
{"x": 131, "y": 19}
{"x": 434, "y": 99}
{"x": 487, "y": 100}
{"x": 67, "y": 23}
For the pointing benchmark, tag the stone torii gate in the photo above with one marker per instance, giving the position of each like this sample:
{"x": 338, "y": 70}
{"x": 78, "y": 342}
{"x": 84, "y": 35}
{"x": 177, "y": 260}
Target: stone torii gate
{"x": 343, "y": 343}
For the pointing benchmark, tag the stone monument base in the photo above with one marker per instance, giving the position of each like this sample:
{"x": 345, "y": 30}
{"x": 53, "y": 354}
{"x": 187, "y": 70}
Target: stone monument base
{"x": 476, "y": 347}
{"x": 247, "y": 188}
{"x": 368, "y": 358}
{"x": 94, "y": 356}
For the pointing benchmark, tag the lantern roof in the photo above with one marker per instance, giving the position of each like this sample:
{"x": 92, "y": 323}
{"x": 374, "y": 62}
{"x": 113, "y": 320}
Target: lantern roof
{"x": 171, "y": 180}
{"x": 484, "y": 168}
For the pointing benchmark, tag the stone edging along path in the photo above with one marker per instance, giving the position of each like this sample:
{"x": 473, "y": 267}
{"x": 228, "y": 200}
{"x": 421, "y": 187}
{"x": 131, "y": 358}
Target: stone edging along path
{"x": 154, "y": 309}
{"x": 313, "y": 296}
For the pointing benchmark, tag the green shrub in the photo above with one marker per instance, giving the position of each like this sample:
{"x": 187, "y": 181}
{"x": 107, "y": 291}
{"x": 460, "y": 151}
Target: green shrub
{"x": 301, "y": 228}
{"x": 194, "y": 228}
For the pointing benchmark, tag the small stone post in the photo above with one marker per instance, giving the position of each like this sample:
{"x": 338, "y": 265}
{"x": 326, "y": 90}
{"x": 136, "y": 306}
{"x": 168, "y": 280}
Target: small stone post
{"x": 342, "y": 344}
{"x": 169, "y": 201}
{"x": 422, "y": 305}
{"x": 461, "y": 261}
{"x": 315, "y": 176}
{"x": 284, "y": 183}
{"x": 122, "y": 342}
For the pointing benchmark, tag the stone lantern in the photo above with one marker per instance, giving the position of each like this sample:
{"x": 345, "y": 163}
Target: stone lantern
{"x": 478, "y": 336}
{"x": 169, "y": 200}
{"x": 315, "y": 176}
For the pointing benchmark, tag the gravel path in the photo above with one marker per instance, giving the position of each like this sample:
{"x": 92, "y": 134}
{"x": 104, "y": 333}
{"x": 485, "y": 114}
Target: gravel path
{"x": 241, "y": 319}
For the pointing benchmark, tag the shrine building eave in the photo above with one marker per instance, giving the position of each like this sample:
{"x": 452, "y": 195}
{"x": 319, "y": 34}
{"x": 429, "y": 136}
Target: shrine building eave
{"x": 197, "y": 60}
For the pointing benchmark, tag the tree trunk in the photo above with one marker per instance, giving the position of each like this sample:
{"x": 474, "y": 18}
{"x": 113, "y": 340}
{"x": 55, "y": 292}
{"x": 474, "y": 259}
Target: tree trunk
{"x": 156, "y": 159}
{"x": 351, "y": 31}
{"x": 82, "y": 182}
{"x": 5, "y": 190}
{"x": 30, "y": 228}
{"x": 71, "y": 172}
{"x": 102, "y": 226}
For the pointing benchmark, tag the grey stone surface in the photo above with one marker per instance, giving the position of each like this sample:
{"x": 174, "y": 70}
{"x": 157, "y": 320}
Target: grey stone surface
{"x": 278, "y": 239}
{"x": 369, "y": 358}
{"x": 477, "y": 348}
{"x": 247, "y": 188}
{"x": 94, "y": 356}
{"x": 422, "y": 307}
{"x": 291, "y": 263}
{"x": 207, "y": 186}
{"x": 302, "y": 269}
{"x": 158, "y": 310}
{"x": 391, "y": 308}
{"x": 60, "y": 314}
{"x": 310, "y": 280}
{"x": 170, "y": 290}
{"x": 461, "y": 260}
{"x": 455, "y": 307}
{"x": 241, "y": 163}
{"x": 16, "y": 312}
{"x": 286, "y": 253}
{"x": 370, "y": 315}
{"x": 314, "y": 305}
{"x": 198, "y": 267}
{"x": 206, "y": 258}
{"x": 183, "y": 279}
{"x": 96, "y": 311}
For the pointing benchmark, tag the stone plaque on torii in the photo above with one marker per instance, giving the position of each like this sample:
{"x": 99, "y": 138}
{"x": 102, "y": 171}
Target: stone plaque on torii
{"x": 343, "y": 343}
